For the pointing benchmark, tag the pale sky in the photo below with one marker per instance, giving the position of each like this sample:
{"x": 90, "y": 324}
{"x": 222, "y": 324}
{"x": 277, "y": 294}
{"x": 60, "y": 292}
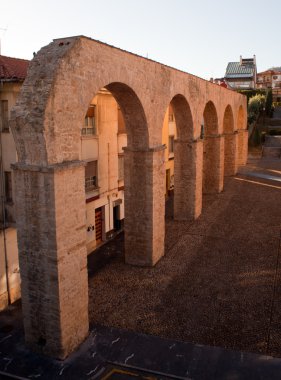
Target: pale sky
{"x": 196, "y": 36}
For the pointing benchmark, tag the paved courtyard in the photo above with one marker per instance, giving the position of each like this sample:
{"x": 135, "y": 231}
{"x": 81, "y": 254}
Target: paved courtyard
{"x": 219, "y": 283}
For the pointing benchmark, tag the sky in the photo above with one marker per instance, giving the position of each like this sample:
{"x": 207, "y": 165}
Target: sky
{"x": 196, "y": 36}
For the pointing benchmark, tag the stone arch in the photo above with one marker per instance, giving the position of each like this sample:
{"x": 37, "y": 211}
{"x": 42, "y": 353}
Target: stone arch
{"x": 213, "y": 151}
{"x": 210, "y": 116}
{"x": 230, "y": 143}
{"x": 228, "y": 120}
{"x": 184, "y": 162}
{"x": 49, "y": 177}
{"x": 50, "y": 191}
{"x": 183, "y": 116}
{"x": 133, "y": 113}
{"x": 241, "y": 118}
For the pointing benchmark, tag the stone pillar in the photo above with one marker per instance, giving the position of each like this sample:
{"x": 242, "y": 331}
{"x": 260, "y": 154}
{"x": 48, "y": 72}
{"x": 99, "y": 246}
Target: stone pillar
{"x": 242, "y": 147}
{"x": 144, "y": 182}
{"x": 230, "y": 153}
{"x": 50, "y": 203}
{"x": 188, "y": 179}
{"x": 213, "y": 164}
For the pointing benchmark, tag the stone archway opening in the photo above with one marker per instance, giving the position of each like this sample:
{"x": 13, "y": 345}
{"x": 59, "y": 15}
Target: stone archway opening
{"x": 169, "y": 136}
{"x": 103, "y": 137}
{"x": 230, "y": 143}
{"x": 212, "y": 151}
{"x": 180, "y": 160}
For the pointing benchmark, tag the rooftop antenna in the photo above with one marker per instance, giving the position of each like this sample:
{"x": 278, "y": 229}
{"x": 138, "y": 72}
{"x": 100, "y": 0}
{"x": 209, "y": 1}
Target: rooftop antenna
{"x": 4, "y": 29}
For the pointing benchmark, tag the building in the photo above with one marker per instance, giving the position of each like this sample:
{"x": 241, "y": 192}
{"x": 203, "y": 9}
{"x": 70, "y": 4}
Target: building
{"x": 264, "y": 79}
{"x": 220, "y": 81}
{"x": 12, "y": 74}
{"x": 241, "y": 75}
{"x": 102, "y": 139}
{"x": 270, "y": 79}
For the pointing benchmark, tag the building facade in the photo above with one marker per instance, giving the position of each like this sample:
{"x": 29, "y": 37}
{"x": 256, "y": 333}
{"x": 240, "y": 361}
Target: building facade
{"x": 12, "y": 74}
{"x": 270, "y": 79}
{"x": 241, "y": 75}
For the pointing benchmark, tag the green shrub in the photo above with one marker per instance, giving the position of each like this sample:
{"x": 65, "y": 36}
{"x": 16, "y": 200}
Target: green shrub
{"x": 255, "y": 106}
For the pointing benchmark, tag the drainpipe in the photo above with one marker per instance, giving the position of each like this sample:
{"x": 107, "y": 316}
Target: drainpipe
{"x": 4, "y": 218}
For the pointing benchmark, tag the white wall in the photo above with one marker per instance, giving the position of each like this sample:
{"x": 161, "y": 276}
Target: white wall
{"x": 13, "y": 267}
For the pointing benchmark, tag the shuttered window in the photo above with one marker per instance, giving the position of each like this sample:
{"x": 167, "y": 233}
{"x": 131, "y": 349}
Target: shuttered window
{"x": 8, "y": 187}
{"x": 91, "y": 181}
{"x": 90, "y": 122}
{"x": 4, "y": 116}
{"x": 120, "y": 167}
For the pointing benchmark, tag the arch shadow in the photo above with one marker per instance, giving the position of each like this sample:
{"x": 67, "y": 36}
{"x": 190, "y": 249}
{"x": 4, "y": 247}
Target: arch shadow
{"x": 230, "y": 143}
{"x": 212, "y": 149}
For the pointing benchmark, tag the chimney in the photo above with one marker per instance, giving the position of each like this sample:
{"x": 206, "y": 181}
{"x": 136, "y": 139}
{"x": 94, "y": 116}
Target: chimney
{"x": 240, "y": 59}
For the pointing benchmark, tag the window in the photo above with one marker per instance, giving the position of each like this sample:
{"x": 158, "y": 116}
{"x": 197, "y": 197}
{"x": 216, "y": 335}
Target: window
{"x": 171, "y": 117}
{"x": 90, "y": 122}
{"x": 4, "y": 116}
{"x": 91, "y": 180}
{"x": 8, "y": 186}
{"x": 120, "y": 167}
{"x": 171, "y": 145}
{"x": 121, "y": 122}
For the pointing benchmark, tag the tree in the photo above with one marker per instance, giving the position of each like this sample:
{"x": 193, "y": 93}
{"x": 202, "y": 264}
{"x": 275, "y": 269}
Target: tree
{"x": 255, "y": 106}
{"x": 268, "y": 103}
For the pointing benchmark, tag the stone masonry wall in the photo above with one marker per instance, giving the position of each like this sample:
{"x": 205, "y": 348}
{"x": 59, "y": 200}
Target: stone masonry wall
{"x": 144, "y": 206}
{"x": 46, "y": 123}
{"x": 52, "y": 254}
{"x": 213, "y": 160}
{"x": 188, "y": 180}
{"x": 230, "y": 153}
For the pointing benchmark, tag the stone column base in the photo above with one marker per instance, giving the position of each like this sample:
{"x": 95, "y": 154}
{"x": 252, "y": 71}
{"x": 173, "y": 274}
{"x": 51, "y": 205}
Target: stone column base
{"x": 50, "y": 203}
{"x": 213, "y": 164}
{"x": 230, "y": 153}
{"x": 144, "y": 205}
{"x": 242, "y": 147}
{"x": 188, "y": 179}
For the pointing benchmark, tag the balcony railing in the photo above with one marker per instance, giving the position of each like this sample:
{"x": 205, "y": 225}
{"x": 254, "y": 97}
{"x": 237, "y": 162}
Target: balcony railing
{"x": 88, "y": 131}
{"x": 91, "y": 183}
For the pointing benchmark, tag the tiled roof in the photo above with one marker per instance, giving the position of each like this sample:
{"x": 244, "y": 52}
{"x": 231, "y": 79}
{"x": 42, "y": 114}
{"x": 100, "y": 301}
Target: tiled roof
{"x": 267, "y": 72}
{"x": 13, "y": 69}
{"x": 236, "y": 70}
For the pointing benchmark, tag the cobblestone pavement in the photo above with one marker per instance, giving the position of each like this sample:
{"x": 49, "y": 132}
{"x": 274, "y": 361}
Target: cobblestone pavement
{"x": 219, "y": 283}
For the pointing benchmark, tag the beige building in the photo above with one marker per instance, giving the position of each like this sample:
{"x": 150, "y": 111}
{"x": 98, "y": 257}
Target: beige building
{"x": 169, "y": 135}
{"x": 12, "y": 74}
{"x": 102, "y": 140}
{"x": 270, "y": 79}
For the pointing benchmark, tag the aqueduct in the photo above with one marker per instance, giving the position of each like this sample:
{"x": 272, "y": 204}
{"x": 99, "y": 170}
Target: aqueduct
{"x": 62, "y": 79}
